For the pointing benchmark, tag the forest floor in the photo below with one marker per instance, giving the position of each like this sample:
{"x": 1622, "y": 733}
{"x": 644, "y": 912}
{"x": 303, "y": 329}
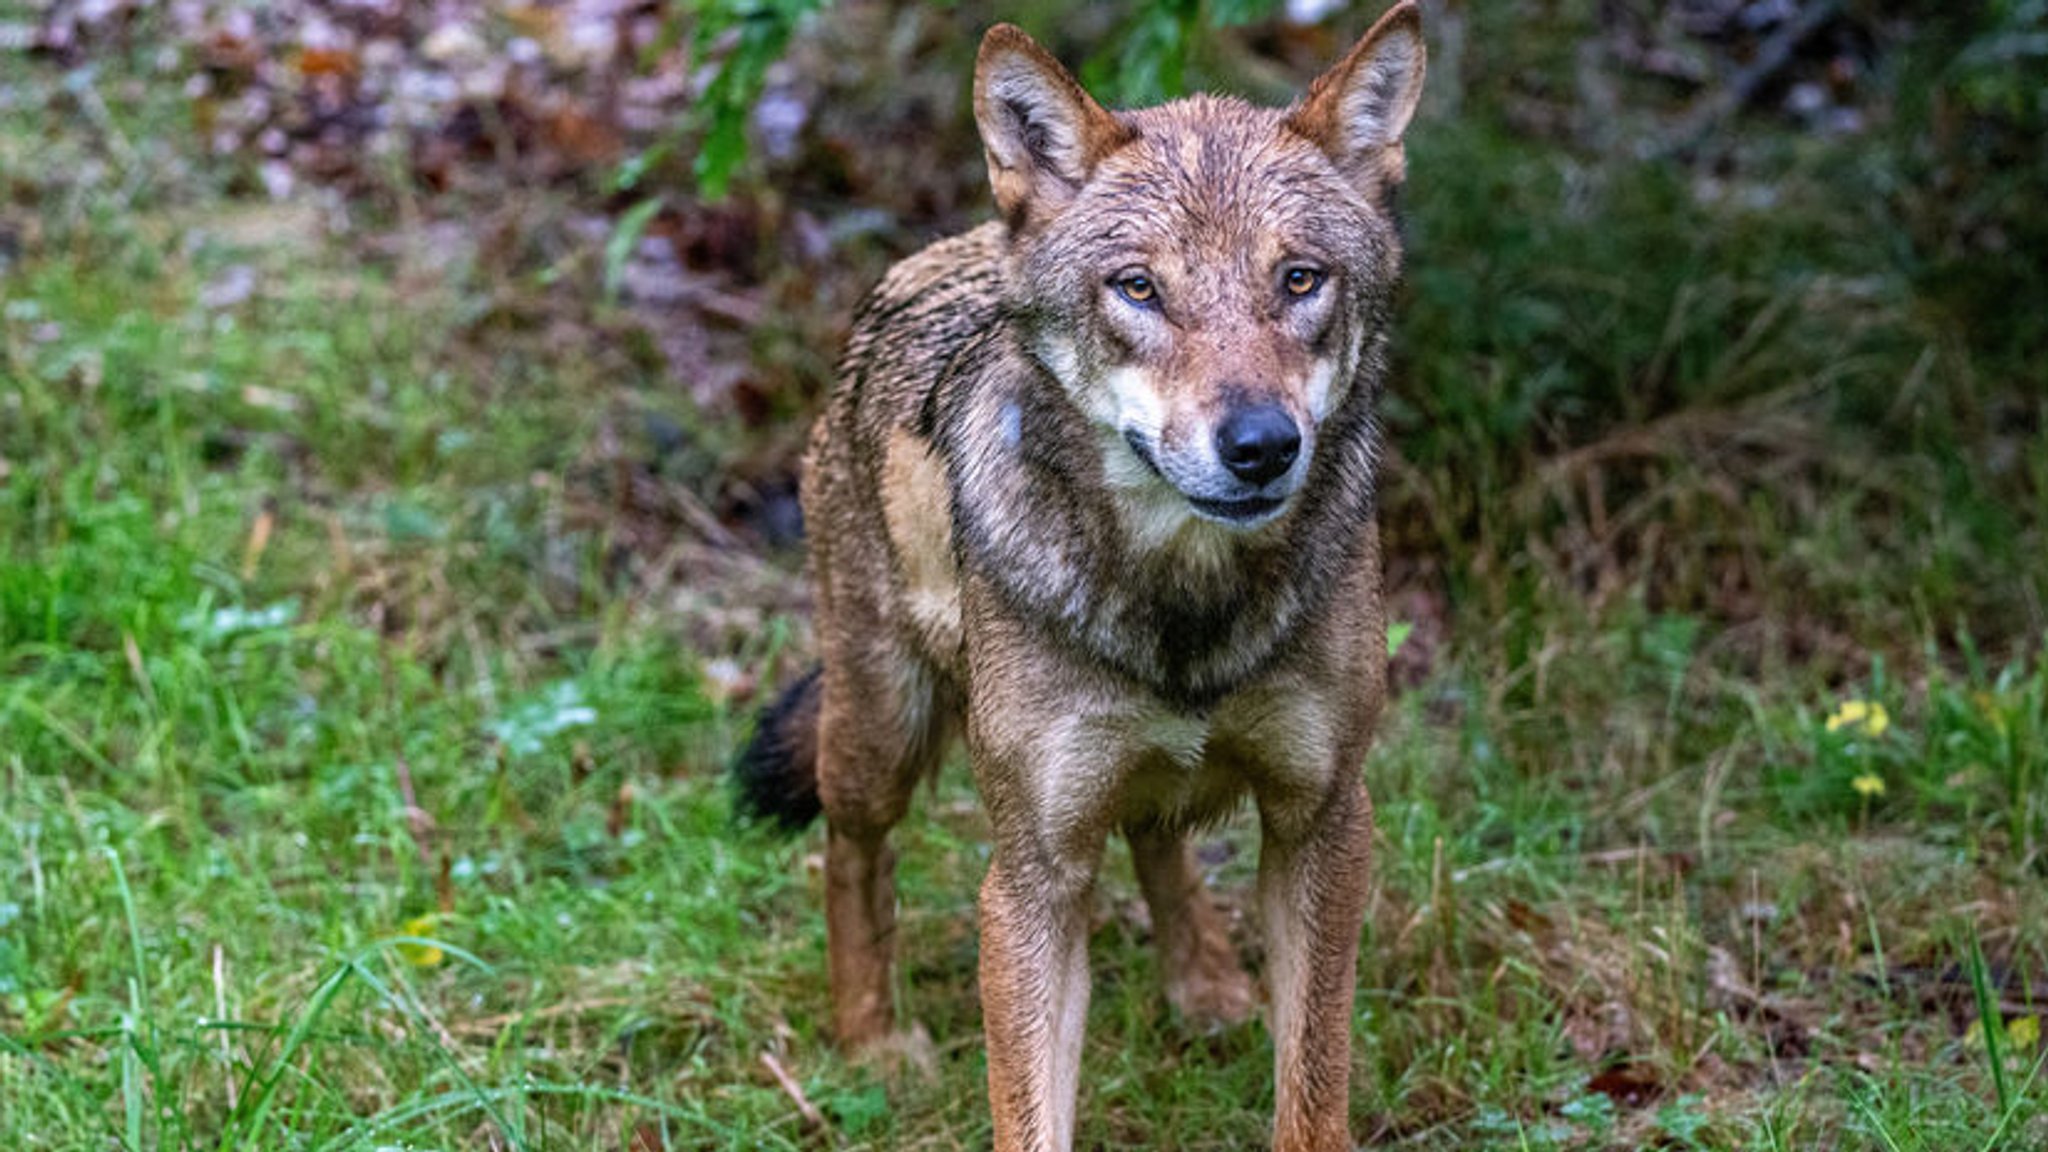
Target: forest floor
{"x": 396, "y": 539}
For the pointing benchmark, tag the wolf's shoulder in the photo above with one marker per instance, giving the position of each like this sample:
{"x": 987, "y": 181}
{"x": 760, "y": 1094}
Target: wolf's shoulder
{"x": 929, "y": 310}
{"x": 962, "y": 273}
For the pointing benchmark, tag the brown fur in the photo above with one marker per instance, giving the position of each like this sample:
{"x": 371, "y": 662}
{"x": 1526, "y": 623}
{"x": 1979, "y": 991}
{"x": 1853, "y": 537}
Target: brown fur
{"x": 1025, "y": 525}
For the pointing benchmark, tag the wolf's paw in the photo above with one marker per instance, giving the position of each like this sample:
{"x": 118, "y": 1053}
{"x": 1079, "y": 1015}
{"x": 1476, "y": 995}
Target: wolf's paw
{"x": 900, "y": 1054}
{"x": 1216, "y": 998}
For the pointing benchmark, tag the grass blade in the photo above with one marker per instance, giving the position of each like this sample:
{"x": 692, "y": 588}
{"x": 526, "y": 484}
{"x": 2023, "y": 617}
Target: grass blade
{"x": 618, "y": 247}
{"x": 262, "y": 1092}
{"x": 457, "y": 1102}
{"x": 2006, "y": 1119}
{"x": 1861, "y": 1102}
{"x": 1992, "y": 1024}
{"x": 138, "y": 1047}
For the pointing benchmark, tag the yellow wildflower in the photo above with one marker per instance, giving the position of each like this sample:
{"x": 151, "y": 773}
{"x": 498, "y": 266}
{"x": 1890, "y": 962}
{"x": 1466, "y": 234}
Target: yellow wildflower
{"x": 2023, "y": 1032}
{"x": 1869, "y": 785}
{"x": 1991, "y": 707}
{"x": 1867, "y": 716}
{"x": 420, "y": 955}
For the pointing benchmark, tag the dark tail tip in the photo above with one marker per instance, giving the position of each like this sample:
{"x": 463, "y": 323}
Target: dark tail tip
{"x": 775, "y": 781}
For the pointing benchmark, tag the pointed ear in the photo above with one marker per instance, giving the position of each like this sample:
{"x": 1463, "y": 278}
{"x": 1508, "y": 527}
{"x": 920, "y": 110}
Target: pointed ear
{"x": 1042, "y": 132}
{"x": 1357, "y": 110}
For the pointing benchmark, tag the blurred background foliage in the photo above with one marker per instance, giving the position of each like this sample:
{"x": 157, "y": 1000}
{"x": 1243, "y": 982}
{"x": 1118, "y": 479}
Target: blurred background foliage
{"x": 400, "y": 414}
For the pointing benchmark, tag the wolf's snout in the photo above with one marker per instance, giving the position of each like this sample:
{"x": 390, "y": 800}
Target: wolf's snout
{"x": 1258, "y": 443}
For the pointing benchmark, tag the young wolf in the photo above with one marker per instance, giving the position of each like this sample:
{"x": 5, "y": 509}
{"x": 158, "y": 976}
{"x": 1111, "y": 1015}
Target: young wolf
{"x": 1096, "y": 485}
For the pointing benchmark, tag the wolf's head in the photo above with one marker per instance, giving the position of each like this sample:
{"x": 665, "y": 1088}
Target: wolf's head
{"x": 1207, "y": 280}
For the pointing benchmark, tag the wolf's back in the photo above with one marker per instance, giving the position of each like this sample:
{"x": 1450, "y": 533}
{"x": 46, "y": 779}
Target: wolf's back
{"x": 909, "y": 331}
{"x": 908, "y": 334}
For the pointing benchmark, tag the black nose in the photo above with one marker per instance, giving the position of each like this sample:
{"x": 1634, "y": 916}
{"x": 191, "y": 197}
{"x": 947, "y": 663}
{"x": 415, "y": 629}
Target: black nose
{"x": 1258, "y": 443}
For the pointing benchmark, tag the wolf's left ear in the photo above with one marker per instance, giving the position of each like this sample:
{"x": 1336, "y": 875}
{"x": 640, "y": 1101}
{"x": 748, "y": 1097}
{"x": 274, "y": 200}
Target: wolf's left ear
{"x": 1357, "y": 110}
{"x": 1044, "y": 134}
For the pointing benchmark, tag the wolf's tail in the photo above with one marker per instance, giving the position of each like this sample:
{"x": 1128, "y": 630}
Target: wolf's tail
{"x": 776, "y": 779}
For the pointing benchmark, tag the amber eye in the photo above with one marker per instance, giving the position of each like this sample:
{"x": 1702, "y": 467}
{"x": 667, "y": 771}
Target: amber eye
{"x": 1138, "y": 288}
{"x": 1302, "y": 281}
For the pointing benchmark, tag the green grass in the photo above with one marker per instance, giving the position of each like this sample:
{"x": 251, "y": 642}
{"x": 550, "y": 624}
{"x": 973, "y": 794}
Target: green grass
{"x": 360, "y": 745}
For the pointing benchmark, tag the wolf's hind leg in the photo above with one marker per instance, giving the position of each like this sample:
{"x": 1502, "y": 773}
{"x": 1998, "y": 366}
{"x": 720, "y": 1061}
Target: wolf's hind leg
{"x": 1204, "y": 981}
{"x": 880, "y": 731}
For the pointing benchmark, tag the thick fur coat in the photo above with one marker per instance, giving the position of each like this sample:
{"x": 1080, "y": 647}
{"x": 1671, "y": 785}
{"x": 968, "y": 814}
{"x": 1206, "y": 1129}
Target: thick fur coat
{"x": 1096, "y": 490}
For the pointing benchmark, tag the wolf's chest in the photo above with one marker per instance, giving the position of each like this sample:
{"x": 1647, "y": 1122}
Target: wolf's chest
{"x": 1174, "y": 778}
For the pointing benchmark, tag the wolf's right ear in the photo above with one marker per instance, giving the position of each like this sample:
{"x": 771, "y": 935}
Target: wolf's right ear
{"x": 1357, "y": 110}
{"x": 1043, "y": 133}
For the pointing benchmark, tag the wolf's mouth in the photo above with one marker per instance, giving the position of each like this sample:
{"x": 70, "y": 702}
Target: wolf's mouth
{"x": 1246, "y": 511}
{"x": 1242, "y": 513}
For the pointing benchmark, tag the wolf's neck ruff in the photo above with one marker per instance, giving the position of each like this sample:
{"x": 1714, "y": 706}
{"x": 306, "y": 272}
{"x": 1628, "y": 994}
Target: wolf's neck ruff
{"x": 1190, "y": 618}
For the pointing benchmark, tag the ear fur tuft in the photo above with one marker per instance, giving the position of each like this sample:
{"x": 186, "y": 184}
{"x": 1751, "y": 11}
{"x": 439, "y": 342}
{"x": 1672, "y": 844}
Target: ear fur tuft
{"x": 1043, "y": 133}
{"x": 1358, "y": 110}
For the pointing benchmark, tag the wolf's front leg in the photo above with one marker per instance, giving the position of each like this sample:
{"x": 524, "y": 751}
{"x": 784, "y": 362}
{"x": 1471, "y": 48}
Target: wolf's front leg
{"x": 1034, "y": 998}
{"x": 1313, "y": 871}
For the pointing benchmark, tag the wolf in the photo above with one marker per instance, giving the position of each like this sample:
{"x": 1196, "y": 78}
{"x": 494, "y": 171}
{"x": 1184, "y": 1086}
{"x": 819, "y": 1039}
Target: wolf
{"x": 1095, "y": 490}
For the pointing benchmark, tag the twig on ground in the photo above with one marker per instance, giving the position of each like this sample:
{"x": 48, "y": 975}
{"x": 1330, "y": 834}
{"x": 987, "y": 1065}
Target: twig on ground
{"x": 813, "y": 1119}
{"x": 417, "y": 819}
